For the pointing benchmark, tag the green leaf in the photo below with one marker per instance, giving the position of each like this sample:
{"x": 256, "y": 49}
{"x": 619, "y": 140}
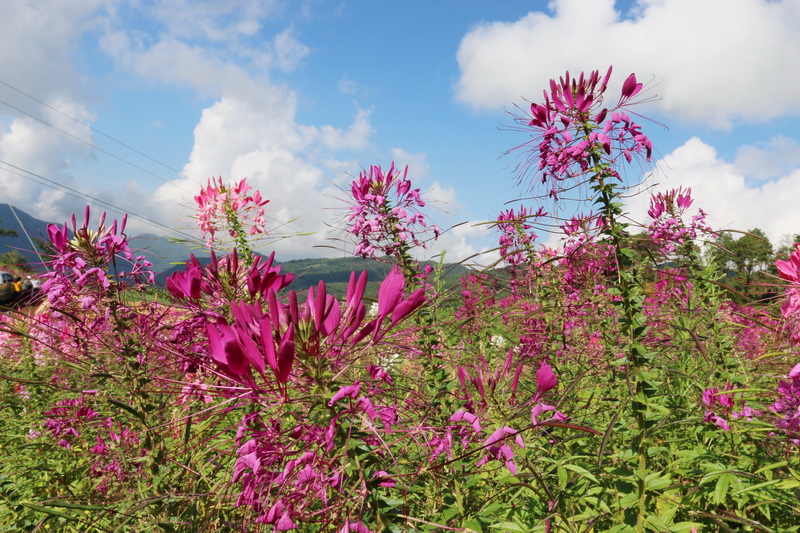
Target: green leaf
{"x": 654, "y": 482}
{"x": 788, "y": 484}
{"x": 680, "y": 527}
{"x": 472, "y": 525}
{"x": 128, "y": 408}
{"x": 510, "y": 526}
{"x": 773, "y": 466}
{"x": 69, "y": 505}
{"x": 581, "y": 471}
{"x": 629, "y": 499}
{"x": 721, "y": 488}
{"x": 47, "y": 510}
{"x": 563, "y": 477}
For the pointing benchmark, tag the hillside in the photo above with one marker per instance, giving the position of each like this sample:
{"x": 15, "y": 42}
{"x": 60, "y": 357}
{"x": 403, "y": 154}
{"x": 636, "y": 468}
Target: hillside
{"x": 26, "y": 226}
{"x": 168, "y": 257}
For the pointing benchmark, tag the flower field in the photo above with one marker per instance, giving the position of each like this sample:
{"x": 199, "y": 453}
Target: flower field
{"x": 612, "y": 383}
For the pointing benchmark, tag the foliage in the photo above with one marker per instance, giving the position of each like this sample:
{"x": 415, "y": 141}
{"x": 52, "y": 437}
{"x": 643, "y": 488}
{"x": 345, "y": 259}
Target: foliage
{"x": 16, "y": 261}
{"x": 7, "y": 232}
{"x": 606, "y": 384}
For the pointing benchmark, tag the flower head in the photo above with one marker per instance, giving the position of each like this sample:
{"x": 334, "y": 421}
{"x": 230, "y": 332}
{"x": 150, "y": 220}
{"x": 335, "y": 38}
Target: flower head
{"x": 574, "y": 135}
{"x": 385, "y": 216}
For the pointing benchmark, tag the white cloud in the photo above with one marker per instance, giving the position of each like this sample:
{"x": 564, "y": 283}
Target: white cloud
{"x": 722, "y": 190}
{"x": 36, "y": 44}
{"x": 213, "y": 20}
{"x": 771, "y": 159}
{"x": 258, "y": 138}
{"x": 288, "y": 51}
{"x": 716, "y": 62}
{"x": 470, "y": 242}
{"x": 356, "y": 137}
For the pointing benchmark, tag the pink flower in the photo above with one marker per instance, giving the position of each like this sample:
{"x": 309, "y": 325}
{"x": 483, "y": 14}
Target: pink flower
{"x": 229, "y": 208}
{"x": 545, "y": 380}
{"x": 349, "y": 391}
{"x": 790, "y": 270}
{"x": 385, "y": 214}
{"x": 571, "y": 127}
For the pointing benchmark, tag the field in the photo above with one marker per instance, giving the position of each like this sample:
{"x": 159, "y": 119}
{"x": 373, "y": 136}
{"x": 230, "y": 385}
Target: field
{"x": 640, "y": 376}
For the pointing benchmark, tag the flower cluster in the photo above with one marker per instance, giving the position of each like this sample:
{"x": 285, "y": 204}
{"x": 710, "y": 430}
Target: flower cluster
{"x": 69, "y": 419}
{"x": 64, "y": 419}
{"x": 385, "y": 216}
{"x": 720, "y": 406}
{"x": 790, "y": 271}
{"x": 230, "y": 208}
{"x": 568, "y": 139}
{"x": 272, "y": 339}
{"x": 787, "y": 406}
{"x": 83, "y": 262}
{"x": 289, "y": 473}
{"x": 516, "y": 238}
{"x": 668, "y": 229}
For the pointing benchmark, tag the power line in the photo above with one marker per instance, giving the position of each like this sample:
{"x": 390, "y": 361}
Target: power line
{"x": 95, "y": 130}
{"x": 78, "y": 194}
{"x": 32, "y": 176}
{"x": 89, "y": 143}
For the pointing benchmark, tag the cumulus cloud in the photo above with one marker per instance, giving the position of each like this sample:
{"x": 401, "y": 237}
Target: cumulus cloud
{"x": 35, "y": 48}
{"x": 470, "y": 242}
{"x": 771, "y": 159}
{"x": 723, "y": 190}
{"x": 211, "y": 20}
{"x": 697, "y": 51}
{"x": 259, "y": 139}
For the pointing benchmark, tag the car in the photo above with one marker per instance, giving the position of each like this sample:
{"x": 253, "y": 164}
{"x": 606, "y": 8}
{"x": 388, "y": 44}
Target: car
{"x": 7, "y": 292}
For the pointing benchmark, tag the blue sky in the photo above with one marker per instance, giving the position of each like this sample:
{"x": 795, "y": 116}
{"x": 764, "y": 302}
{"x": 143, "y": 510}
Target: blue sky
{"x": 298, "y": 96}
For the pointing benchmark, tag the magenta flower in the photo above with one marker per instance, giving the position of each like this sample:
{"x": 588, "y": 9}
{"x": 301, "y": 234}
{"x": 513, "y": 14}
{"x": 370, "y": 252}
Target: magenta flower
{"x": 272, "y": 338}
{"x": 385, "y": 216}
{"x": 354, "y": 526}
{"x": 85, "y": 266}
{"x": 186, "y": 284}
{"x": 230, "y": 208}
{"x": 787, "y": 406}
{"x": 572, "y": 129}
{"x": 470, "y": 418}
{"x": 349, "y": 391}
{"x": 669, "y": 227}
{"x": 790, "y": 270}
{"x": 499, "y": 450}
{"x": 516, "y": 238}
{"x": 545, "y": 380}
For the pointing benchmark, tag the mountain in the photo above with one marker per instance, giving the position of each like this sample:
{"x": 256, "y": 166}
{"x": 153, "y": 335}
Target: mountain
{"x": 335, "y": 272}
{"x": 168, "y": 257}
{"x": 26, "y": 226}
{"x": 162, "y": 252}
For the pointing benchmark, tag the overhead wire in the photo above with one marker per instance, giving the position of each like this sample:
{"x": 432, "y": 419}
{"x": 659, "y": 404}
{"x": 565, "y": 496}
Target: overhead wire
{"x": 95, "y": 130}
{"x": 32, "y": 176}
{"x": 92, "y": 145}
{"x": 84, "y": 196}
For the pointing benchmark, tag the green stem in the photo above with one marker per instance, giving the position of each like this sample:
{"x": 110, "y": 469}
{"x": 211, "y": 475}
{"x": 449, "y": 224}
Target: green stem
{"x": 631, "y": 321}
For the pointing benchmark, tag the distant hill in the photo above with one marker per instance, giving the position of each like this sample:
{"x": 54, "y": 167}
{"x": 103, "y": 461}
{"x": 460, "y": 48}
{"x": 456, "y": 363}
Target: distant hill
{"x": 168, "y": 257}
{"x": 26, "y": 226}
{"x": 163, "y": 253}
{"x": 335, "y": 272}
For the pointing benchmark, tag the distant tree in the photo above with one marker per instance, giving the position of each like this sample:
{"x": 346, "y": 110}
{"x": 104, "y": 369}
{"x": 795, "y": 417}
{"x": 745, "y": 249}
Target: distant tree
{"x": 722, "y": 253}
{"x": 746, "y": 260}
{"x": 786, "y": 246}
{"x": 753, "y": 253}
{"x": 7, "y": 232}
{"x": 15, "y": 261}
